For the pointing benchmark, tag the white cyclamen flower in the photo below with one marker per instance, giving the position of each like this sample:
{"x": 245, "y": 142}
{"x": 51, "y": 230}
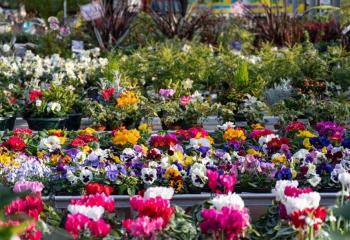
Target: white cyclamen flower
{"x": 344, "y": 179}
{"x": 163, "y": 192}
{"x": 232, "y": 200}
{"x": 94, "y": 212}
{"x": 280, "y": 186}
{"x": 50, "y": 143}
{"x": 305, "y": 200}
{"x": 149, "y": 175}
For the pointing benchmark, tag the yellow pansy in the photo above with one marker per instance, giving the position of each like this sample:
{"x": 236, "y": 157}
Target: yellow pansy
{"x": 172, "y": 172}
{"x": 62, "y": 140}
{"x": 116, "y": 159}
{"x": 5, "y": 159}
{"x": 177, "y": 156}
{"x": 307, "y": 144}
{"x": 294, "y": 173}
{"x": 188, "y": 161}
{"x": 257, "y": 126}
{"x": 88, "y": 131}
{"x": 324, "y": 150}
{"x": 55, "y": 158}
{"x": 280, "y": 159}
{"x": 86, "y": 149}
{"x": 252, "y": 151}
{"x": 211, "y": 140}
{"x": 40, "y": 154}
{"x": 125, "y": 136}
{"x": 305, "y": 134}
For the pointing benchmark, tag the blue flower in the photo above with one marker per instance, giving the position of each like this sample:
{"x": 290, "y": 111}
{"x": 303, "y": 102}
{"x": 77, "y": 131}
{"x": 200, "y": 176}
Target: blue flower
{"x": 283, "y": 174}
{"x": 346, "y": 143}
{"x": 319, "y": 142}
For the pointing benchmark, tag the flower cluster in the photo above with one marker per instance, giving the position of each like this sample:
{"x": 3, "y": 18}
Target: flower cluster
{"x": 85, "y": 214}
{"x": 226, "y": 219}
{"x": 125, "y": 136}
{"x": 154, "y": 213}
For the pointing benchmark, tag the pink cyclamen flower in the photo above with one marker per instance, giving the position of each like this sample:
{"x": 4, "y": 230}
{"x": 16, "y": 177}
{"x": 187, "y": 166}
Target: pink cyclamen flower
{"x": 35, "y": 187}
{"x": 228, "y": 182}
{"x": 167, "y": 92}
{"x": 185, "y": 100}
{"x": 143, "y": 226}
{"x": 212, "y": 180}
{"x": 75, "y": 224}
{"x": 99, "y": 228}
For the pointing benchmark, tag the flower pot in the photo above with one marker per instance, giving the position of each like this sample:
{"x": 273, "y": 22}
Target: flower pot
{"x": 73, "y": 122}
{"x": 39, "y": 124}
{"x": 128, "y": 123}
{"x": 179, "y": 125}
{"x": 7, "y": 123}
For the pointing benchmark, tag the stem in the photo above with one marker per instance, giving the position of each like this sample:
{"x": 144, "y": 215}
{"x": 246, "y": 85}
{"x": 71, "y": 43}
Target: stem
{"x": 311, "y": 233}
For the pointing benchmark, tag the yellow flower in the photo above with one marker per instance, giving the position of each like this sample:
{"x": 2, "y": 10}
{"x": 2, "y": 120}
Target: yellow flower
{"x": 211, "y": 140}
{"x": 62, "y": 140}
{"x": 324, "y": 150}
{"x": 307, "y": 144}
{"x": 86, "y": 149}
{"x": 257, "y": 126}
{"x": 145, "y": 127}
{"x": 56, "y": 132}
{"x": 40, "y": 154}
{"x": 125, "y": 136}
{"x": 280, "y": 159}
{"x": 176, "y": 184}
{"x": 88, "y": 131}
{"x": 177, "y": 156}
{"x": 252, "y": 151}
{"x": 294, "y": 173}
{"x": 116, "y": 159}
{"x": 232, "y": 133}
{"x": 5, "y": 159}
{"x": 144, "y": 149}
{"x": 172, "y": 172}
{"x": 127, "y": 99}
{"x": 188, "y": 161}
{"x": 305, "y": 134}
{"x": 55, "y": 158}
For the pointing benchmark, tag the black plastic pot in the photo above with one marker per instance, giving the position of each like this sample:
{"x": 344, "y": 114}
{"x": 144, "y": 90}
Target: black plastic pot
{"x": 7, "y": 123}
{"x": 38, "y": 124}
{"x": 74, "y": 121}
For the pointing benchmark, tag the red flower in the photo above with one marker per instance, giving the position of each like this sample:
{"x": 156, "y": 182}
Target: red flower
{"x": 15, "y": 143}
{"x": 34, "y": 94}
{"x": 107, "y": 93}
{"x": 295, "y": 126}
{"x": 94, "y": 188}
{"x": 23, "y": 131}
{"x": 75, "y": 224}
{"x": 317, "y": 216}
{"x": 153, "y": 208}
{"x": 99, "y": 228}
{"x": 29, "y": 205}
{"x": 77, "y": 142}
{"x": 257, "y": 133}
{"x": 276, "y": 143}
{"x": 295, "y": 192}
{"x": 87, "y": 138}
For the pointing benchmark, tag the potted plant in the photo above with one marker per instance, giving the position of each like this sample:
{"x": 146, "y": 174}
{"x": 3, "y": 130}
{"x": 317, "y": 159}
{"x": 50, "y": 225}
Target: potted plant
{"x": 8, "y": 108}
{"x": 73, "y": 121}
{"x": 113, "y": 106}
{"x": 48, "y": 108}
{"x": 180, "y": 112}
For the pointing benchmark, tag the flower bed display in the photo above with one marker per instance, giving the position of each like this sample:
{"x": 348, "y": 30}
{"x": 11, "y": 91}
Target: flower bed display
{"x": 247, "y": 159}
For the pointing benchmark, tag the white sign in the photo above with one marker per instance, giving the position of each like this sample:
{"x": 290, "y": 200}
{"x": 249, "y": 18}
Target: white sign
{"x": 91, "y": 11}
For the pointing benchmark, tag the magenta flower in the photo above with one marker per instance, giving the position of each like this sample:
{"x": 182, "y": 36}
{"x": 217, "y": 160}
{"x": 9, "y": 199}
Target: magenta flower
{"x": 143, "y": 226}
{"x": 167, "y": 92}
{"x": 35, "y": 187}
{"x": 185, "y": 100}
{"x": 228, "y": 182}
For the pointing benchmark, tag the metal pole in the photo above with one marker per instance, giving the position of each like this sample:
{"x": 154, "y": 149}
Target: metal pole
{"x": 65, "y": 10}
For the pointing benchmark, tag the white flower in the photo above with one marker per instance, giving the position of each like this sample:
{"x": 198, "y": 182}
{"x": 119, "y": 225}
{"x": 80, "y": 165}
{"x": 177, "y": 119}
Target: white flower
{"x": 187, "y": 84}
{"x": 38, "y": 103}
{"x": 207, "y": 161}
{"x": 53, "y": 107}
{"x": 71, "y": 177}
{"x": 163, "y": 192}
{"x": 85, "y": 176}
{"x": 153, "y": 164}
{"x": 280, "y": 186}
{"x": 94, "y": 212}
{"x": 149, "y": 175}
{"x": 230, "y": 200}
{"x": 186, "y": 48}
{"x": 305, "y": 200}
{"x": 300, "y": 155}
{"x": 6, "y": 48}
{"x": 226, "y": 126}
{"x": 265, "y": 139}
{"x": 344, "y": 179}
{"x": 164, "y": 162}
{"x": 315, "y": 180}
{"x": 50, "y": 143}
{"x": 201, "y": 142}
{"x": 198, "y": 174}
